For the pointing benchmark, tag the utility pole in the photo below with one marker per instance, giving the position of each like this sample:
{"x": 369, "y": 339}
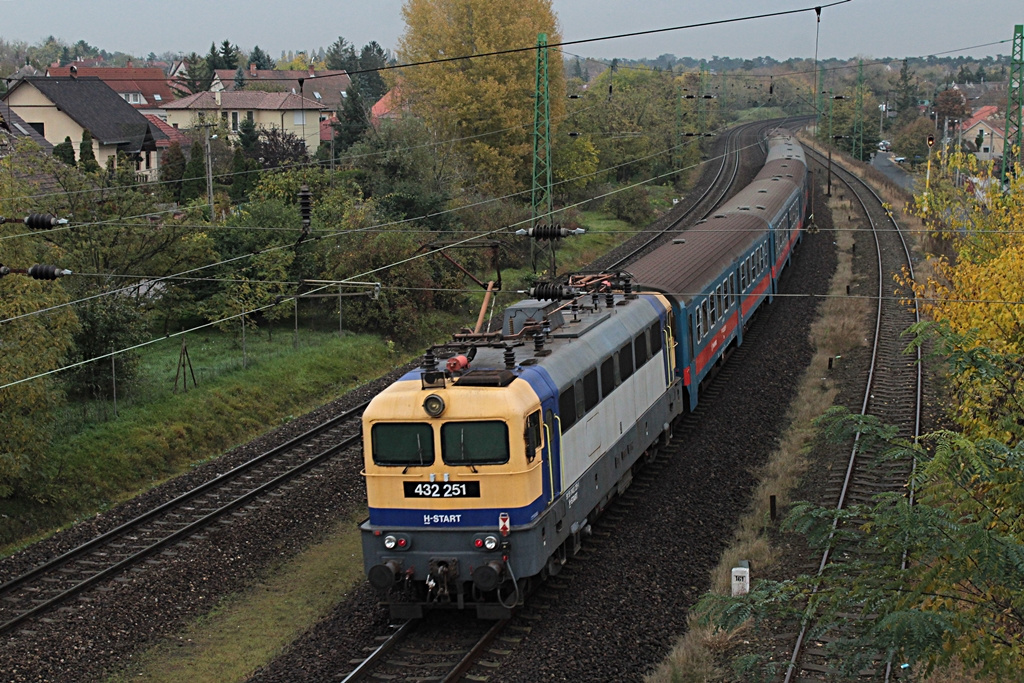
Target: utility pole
{"x": 541, "y": 201}
{"x": 209, "y": 172}
{"x": 1015, "y": 87}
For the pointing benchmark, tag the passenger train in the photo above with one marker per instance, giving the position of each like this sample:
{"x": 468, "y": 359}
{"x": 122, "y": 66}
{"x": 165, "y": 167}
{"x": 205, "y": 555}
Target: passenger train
{"x": 485, "y": 466}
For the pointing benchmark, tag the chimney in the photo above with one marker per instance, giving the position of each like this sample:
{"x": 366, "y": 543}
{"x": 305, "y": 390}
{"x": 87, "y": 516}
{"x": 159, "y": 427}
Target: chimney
{"x": 216, "y": 97}
{"x": 252, "y": 69}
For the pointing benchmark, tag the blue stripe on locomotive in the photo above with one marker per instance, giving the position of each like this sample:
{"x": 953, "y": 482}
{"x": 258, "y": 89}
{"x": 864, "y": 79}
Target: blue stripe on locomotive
{"x": 547, "y": 393}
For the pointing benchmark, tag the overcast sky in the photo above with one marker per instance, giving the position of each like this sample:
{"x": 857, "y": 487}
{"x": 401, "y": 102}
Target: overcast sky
{"x": 870, "y": 28}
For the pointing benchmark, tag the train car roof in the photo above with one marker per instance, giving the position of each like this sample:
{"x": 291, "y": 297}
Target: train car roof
{"x": 694, "y": 261}
{"x": 683, "y": 269}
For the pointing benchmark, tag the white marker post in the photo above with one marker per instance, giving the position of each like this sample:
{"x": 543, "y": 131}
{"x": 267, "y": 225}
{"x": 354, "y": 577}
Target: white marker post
{"x": 740, "y": 581}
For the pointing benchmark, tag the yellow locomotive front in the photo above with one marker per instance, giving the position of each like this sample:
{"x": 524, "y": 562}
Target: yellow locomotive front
{"x": 453, "y": 463}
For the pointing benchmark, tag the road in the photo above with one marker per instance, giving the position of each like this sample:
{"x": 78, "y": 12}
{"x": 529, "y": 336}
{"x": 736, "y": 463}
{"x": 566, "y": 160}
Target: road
{"x": 883, "y": 161}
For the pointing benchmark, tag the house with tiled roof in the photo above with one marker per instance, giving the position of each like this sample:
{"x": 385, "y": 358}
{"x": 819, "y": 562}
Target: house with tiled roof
{"x": 387, "y": 107}
{"x": 986, "y": 127}
{"x": 145, "y": 88}
{"x": 281, "y": 110}
{"x": 59, "y": 108}
{"x": 327, "y": 87}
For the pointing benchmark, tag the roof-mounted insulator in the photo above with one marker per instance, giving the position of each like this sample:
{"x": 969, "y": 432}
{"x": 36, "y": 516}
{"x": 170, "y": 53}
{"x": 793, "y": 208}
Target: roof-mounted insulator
{"x": 609, "y": 299}
{"x": 429, "y": 361}
{"x": 627, "y": 288}
{"x": 510, "y": 358}
{"x": 553, "y": 292}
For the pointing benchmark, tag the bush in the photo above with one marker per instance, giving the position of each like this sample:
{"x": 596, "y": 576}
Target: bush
{"x": 632, "y": 205}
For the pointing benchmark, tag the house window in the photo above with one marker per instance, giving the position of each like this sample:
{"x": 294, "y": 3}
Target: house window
{"x": 300, "y": 118}
{"x": 248, "y": 115}
{"x": 39, "y": 128}
{"x": 234, "y": 121}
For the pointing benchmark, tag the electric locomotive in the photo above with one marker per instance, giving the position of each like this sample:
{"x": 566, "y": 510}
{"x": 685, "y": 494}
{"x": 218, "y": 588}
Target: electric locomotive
{"x": 485, "y": 466}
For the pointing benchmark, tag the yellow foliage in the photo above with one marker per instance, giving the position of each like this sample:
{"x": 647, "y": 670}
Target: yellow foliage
{"x": 486, "y": 102}
{"x": 979, "y": 294}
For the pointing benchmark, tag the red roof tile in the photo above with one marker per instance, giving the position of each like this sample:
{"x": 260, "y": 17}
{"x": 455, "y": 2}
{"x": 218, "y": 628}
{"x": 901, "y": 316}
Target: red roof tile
{"x": 244, "y": 99}
{"x": 150, "y": 81}
{"x": 172, "y": 133}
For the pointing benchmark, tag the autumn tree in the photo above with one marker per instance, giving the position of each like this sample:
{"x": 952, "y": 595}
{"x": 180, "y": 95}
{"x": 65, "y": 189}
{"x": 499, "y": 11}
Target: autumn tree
{"x": 912, "y": 140}
{"x": 486, "y": 103}
{"x": 33, "y": 344}
{"x": 951, "y": 105}
{"x": 976, "y": 294}
{"x": 941, "y": 576}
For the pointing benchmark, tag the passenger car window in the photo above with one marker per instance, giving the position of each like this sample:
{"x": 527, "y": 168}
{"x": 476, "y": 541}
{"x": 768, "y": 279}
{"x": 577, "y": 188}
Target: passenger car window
{"x": 475, "y": 443}
{"x": 625, "y": 362}
{"x": 567, "y": 407}
{"x": 608, "y": 383}
{"x": 590, "y": 390}
{"x": 402, "y": 443}
{"x": 640, "y": 350}
{"x": 655, "y": 336}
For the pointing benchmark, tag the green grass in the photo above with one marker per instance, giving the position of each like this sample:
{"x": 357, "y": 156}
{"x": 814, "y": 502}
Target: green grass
{"x": 105, "y": 462}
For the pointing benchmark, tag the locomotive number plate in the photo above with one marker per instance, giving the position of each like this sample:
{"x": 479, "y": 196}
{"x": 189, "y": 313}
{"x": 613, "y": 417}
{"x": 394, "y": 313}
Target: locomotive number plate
{"x": 442, "y": 489}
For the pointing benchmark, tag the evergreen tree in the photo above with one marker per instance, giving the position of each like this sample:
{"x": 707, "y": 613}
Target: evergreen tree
{"x": 906, "y": 97}
{"x": 172, "y": 170}
{"x": 248, "y": 136}
{"x": 65, "y": 151}
{"x": 342, "y": 55}
{"x": 261, "y": 59}
{"x": 228, "y": 55}
{"x": 86, "y": 154}
{"x": 371, "y": 84}
{"x": 243, "y": 176}
{"x": 240, "y": 79}
{"x": 194, "y": 180}
{"x": 198, "y": 76}
{"x": 213, "y": 59}
{"x": 352, "y": 122}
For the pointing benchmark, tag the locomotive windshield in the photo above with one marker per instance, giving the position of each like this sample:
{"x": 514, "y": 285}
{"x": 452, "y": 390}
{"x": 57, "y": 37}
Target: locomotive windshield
{"x": 402, "y": 443}
{"x": 474, "y": 443}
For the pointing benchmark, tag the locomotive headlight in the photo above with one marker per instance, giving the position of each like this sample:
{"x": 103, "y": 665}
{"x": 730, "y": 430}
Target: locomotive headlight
{"x": 390, "y": 542}
{"x": 434, "y": 405}
{"x": 490, "y": 543}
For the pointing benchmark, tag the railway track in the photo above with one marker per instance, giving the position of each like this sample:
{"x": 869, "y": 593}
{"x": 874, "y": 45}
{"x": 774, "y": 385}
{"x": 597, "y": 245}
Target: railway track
{"x": 439, "y": 647}
{"x": 158, "y": 530}
{"x": 892, "y": 393}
